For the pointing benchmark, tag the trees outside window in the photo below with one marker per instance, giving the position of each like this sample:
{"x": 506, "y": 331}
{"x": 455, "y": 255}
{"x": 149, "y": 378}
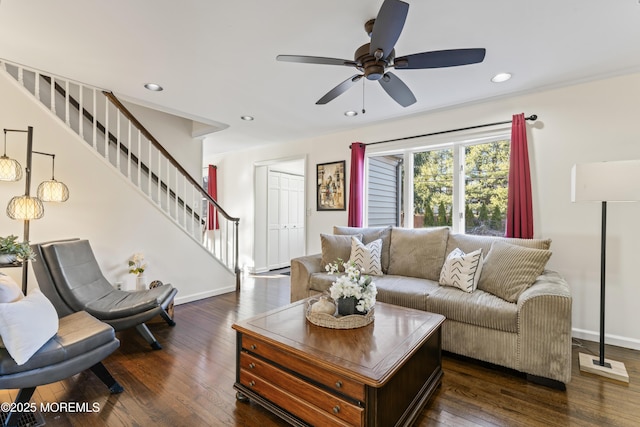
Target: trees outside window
{"x": 480, "y": 187}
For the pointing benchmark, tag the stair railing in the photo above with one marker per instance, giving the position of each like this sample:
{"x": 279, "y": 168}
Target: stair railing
{"x": 106, "y": 125}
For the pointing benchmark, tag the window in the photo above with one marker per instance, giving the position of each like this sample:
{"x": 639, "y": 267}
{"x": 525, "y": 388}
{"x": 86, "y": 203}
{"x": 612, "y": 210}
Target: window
{"x": 473, "y": 200}
{"x": 462, "y": 185}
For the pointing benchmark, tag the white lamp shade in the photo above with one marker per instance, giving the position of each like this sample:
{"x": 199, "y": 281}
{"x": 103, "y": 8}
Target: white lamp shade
{"x": 25, "y": 207}
{"x": 10, "y": 170}
{"x": 53, "y": 191}
{"x": 617, "y": 181}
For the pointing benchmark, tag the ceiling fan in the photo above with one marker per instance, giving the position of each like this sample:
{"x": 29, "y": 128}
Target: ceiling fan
{"x": 374, "y": 58}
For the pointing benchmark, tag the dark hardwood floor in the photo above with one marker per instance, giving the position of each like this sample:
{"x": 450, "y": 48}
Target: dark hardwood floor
{"x": 189, "y": 382}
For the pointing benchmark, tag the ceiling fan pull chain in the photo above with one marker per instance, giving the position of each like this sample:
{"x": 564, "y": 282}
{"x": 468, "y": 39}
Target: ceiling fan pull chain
{"x": 363, "y": 111}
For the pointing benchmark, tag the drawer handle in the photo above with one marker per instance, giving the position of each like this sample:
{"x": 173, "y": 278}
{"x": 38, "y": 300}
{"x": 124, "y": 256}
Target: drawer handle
{"x": 252, "y": 365}
{"x": 339, "y": 384}
{"x": 252, "y": 383}
{"x": 336, "y": 409}
{"x": 253, "y": 347}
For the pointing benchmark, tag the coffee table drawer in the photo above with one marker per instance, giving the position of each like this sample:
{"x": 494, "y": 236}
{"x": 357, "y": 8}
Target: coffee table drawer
{"x": 333, "y": 381}
{"x": 252, "y": 367}
{"x": 291, "y": 403}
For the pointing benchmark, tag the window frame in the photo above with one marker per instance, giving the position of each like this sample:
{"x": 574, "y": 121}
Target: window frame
{"x": 458, "y": 144}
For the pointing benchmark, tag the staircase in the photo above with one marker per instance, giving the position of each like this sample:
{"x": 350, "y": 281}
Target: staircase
{"x": 106, "y": 125}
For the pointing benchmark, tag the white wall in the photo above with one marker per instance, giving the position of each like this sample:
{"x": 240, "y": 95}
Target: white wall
{"x": 174, "y": 134}
{"x": 583, "y": 123}
{"x": 103, "y": 207}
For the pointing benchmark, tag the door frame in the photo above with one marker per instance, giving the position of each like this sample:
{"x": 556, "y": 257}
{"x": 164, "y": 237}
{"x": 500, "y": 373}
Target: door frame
{"x": 260, "y": 228}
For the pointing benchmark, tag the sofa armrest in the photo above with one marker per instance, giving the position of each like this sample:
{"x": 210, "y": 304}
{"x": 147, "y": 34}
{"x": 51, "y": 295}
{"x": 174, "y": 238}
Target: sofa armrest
{"x": 544, "y": 325}
{"x": 301, "y": 270}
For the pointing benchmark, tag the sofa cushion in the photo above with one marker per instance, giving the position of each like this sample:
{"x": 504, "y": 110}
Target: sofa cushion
{"x": 470, "y": 242}
{"x": 405, "y": 291}
{"x": 510, "y": 269}
{"x": 462, "y": 270}
{"x": 366, "y": 257}
{"x": 369, "y": 234}
{"x": 418, "y": 252}
{"x": 335, "y": 248}
{"x": 479, "y": 308}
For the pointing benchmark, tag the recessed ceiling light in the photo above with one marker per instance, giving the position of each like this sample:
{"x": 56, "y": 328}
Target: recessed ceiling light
{"x": 501, "y": 77}
{"x": 153, "y": 87}
{"x": 246, "y": 118}
{"x": 350, "y": 113}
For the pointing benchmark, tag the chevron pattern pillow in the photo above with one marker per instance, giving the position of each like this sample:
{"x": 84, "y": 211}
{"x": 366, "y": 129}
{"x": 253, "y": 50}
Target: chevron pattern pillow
{"x": 462, "y": 270}
{"x": 367, "y": 257}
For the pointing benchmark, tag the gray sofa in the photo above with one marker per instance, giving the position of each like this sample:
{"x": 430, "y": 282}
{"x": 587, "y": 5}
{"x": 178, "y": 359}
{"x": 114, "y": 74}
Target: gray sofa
{"x": 532, "y": 334}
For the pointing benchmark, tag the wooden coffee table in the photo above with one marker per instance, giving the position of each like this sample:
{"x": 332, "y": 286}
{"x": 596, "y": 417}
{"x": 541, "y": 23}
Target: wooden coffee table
{"x": 379, "y": 375}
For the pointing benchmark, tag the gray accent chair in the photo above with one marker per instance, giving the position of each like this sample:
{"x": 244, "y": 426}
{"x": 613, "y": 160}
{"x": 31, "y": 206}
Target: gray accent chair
{"x": 69, "y": 275}
{"x": 81, "y": 343}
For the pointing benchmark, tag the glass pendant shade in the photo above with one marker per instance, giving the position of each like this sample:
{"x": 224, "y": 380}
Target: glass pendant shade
{"x": 25, "y": 208}
{"x": 53, "y": 191}
{"x": 10, "y": 170}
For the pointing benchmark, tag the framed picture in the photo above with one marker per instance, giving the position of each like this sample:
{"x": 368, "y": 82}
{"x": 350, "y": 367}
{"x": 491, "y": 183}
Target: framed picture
{"x": 330, "y": 186}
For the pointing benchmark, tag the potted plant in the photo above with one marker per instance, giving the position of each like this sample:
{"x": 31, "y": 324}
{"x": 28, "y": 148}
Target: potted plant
{"x": 12, "y": 251}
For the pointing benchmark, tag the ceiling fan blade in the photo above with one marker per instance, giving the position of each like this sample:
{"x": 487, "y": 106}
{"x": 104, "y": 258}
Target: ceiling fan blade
{"x": 339, "y": 90}
{"x": 388, "y": 26}
{"x": 396, "y": 89}
{"x": 440, "y": 59}
{"x": 315, "y": 60}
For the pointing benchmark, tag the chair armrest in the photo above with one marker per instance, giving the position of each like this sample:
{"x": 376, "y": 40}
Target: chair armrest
{"x": 544, "y": 325}
{"x": 301, "y": 270}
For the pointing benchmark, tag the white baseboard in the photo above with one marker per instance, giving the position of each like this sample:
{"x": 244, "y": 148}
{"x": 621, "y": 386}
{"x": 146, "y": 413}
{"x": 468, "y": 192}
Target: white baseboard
{"x": 616, "y": 340}
{"x": 202, "y": 295}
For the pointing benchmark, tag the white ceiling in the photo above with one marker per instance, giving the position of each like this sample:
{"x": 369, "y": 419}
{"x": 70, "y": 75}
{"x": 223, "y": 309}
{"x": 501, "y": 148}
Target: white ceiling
{"x": 216, "y": 59}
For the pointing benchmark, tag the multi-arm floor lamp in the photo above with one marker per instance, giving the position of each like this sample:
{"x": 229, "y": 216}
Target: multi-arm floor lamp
{"x": 27, "y": 207}
{"x": 604, "y": 182}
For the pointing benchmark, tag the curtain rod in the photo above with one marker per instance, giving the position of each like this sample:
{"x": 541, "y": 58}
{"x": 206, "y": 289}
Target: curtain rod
{"x": 531, "y": 117}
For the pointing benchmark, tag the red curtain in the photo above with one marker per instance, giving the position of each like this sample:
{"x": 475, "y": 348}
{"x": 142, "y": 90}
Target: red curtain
{"x": 356, "y": 185}
{"x": 212, "y": 189}
{"x": 519, "y": 203}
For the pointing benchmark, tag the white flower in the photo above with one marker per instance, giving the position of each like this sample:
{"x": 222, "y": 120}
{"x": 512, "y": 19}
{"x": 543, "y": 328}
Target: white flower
{"x": 353, "y": 284}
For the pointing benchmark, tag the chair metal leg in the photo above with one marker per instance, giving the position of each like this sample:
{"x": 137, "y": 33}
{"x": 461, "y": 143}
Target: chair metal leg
{"x": 146, "y": 333}
{"x": 105, "y": 376}
{"x": 24, "y": 395}
{"x": 167, "y": 318}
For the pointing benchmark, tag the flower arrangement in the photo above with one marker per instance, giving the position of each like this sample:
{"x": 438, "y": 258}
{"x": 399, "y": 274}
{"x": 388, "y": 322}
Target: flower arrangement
{"x": 136, "y": 264}
{"x": 353, "y": 284}
{"x": 21, "y": 250}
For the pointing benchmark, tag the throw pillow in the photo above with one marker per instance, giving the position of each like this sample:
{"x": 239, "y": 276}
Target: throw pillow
{"x": 335, "y": 248}
{"x": 509, "y": 270}
{"x": 26, "y": 325}
{"x": 462, "y": 270}
{"x": 9, "y": 289}
{"x": 470, "y": 242}
{"x": 418, "y": 252}
{"x": 367, "y": 257}
{"x": 369, "y": 234}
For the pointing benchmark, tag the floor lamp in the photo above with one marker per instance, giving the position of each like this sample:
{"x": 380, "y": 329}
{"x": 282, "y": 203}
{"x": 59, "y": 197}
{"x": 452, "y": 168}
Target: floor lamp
{"x": 27, "y": 207}
{"x": 604, "y": 182}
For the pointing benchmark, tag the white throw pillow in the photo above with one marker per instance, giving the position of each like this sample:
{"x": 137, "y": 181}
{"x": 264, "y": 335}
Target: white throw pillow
{"x": 367, "y": 257}
{"x": 9, "y": 289}
{"x": 462, "y": 270}
{"x": 26, "y": 325}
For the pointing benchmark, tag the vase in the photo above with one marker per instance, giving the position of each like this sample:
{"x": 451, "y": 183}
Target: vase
{"x": 7, "y": 258}
{"x": 323, "y": 305}
{"x": 141, "y": 282}
{"x": 347, "y": 306}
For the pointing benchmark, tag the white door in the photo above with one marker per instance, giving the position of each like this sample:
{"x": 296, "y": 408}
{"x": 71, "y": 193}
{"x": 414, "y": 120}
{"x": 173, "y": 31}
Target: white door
{"x": 273, "y": 220}
{"x": 285, "y": 218}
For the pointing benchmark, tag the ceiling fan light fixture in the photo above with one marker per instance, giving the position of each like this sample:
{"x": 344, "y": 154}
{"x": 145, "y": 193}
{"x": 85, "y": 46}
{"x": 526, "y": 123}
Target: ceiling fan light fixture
{"x": 501, "y": 77}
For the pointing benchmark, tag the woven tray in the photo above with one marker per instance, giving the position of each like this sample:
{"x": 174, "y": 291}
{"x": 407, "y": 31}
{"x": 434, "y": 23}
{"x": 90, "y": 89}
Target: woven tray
{"x": 338, "y": 322}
